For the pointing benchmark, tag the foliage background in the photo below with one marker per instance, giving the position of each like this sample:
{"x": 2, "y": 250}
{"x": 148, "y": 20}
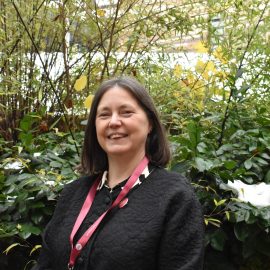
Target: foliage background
{"x": 216, "y": 110}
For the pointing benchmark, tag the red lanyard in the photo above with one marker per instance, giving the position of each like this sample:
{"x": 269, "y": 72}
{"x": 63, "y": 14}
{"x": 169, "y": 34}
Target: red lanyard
{"x": 75, "y": 251}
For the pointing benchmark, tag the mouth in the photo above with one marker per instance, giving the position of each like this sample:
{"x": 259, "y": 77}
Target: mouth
{"x": 115, "y": 136}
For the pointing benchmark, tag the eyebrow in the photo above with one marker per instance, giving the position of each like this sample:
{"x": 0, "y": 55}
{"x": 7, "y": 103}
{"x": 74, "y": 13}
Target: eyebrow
{"x": 106, "y": 108}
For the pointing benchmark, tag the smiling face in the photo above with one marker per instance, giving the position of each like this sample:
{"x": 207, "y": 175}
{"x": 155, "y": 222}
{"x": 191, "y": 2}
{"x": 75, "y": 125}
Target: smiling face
{"x": 122, "y": 125}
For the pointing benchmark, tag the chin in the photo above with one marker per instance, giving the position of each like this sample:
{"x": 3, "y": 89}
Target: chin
{"x": 117, "y": 152}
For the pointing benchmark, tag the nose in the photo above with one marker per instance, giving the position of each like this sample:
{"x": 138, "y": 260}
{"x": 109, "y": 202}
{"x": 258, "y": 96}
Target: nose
{"x": 115, "y": 121}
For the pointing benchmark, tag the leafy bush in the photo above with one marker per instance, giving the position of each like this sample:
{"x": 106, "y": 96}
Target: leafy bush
{"x": 237, "y": 232}
{"x": 30, "y": 185}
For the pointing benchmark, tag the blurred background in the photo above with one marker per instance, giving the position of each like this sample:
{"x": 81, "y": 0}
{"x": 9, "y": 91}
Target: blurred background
{"x": 205, "y": 63}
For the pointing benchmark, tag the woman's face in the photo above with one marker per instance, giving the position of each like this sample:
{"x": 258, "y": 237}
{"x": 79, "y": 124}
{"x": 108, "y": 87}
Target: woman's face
{"x": 122, "y": 125}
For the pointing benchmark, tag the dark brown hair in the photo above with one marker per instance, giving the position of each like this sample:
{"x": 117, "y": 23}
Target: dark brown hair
{"x": 94, "y": 159}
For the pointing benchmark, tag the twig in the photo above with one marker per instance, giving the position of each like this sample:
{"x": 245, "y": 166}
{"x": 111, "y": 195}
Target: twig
{"x": 226, "y": 114}
{"x": 47, "y": 75}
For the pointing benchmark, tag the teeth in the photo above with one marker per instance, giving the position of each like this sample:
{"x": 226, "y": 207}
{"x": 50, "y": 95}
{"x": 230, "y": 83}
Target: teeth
{"x": 116, "y": 136}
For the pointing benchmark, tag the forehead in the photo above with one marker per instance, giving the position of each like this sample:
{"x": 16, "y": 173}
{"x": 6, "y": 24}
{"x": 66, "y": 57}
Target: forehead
{"x": 117, "y": 96}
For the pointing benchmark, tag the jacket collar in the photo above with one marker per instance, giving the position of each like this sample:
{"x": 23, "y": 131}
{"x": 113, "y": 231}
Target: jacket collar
{"x": 104, "y": 178}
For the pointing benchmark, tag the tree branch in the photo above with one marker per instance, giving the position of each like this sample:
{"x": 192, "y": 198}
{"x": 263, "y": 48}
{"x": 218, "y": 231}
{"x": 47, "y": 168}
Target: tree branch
{"x": 233, "y": 88}
{"x": 47, "y": 75}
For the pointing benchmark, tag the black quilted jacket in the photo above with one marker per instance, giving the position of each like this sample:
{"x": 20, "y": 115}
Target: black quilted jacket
{"x": 160, "y": 228}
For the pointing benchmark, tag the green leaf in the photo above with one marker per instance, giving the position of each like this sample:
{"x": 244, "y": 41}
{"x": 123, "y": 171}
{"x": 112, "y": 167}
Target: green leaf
{"x": 26, "y": 138}
{"x": 203, "y": 165}
{"x": 181, "y": 167}
{"x": 56, "y": 164}
{"x": 25, "y": 176}
{"x": 26, "y": 124}
{"x": 241, "y": 231}
{"x": 24, "y": 234}
{"x": 27, "y": 230}
{"x": 37, "y": 218}
{"x": 261, "y": 161}
{"x": 248, "y": 164}
{"x": 9, "y": 190}
{"x": 194, "y": 133}
{"x": 202, "y": 147}
{"x": 230, "y": 164}
{"x": 218, "y": 239}
{"x": 37, "y": 205}
{"x": 264, "y": 155}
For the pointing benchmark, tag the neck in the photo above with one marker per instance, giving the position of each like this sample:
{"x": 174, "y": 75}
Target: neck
{"x": 121, "y": 168}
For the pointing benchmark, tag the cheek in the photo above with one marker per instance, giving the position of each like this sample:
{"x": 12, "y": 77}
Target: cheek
{"x": 143, "y": 131}
{"x": 146, "y": 126}
{"x": 99, "y": 131}
{"x": 100, "y": 139}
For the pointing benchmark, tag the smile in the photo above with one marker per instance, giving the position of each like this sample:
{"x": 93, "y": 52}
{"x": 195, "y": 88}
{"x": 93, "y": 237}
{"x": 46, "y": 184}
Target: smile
{"x": 117, "y": 136}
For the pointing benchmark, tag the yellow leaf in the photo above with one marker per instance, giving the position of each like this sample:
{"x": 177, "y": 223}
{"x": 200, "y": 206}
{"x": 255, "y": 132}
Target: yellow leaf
{"x": 88, "y": 101}
{"x": 80, "y": 83}
{"x": 220, "y": 55}
{"x": 177, "y": 70}
{"x": 101, "y": 12}
{"x": 59, "y": 177}
{"x": 2, "y": 20}
{"x": 222, "y": 75}
{"x": 235, "y": 200}
{"x": 40, "y": 95}
{"x": 200, "y": 47}
{"x": 200, "y": 106}
{"x": 190, "y": 80}
{"x": 211, "y": 66}
{"x": 200, "y": 66}
{"x": 41, "y": 172}
{"x": 205, "y": 68}
{"x": 34, "y": 249}
{"x": 206, "y": 75}
{"x": 20, "y": 149}
{"x": 10, "y": 247}
{"x": 199, "y": 86}
{"x": 227, "y": 215}
{"x": 220, "y": 202}
{"x": 176, "y": 94}
{"x": 212, "y": 221}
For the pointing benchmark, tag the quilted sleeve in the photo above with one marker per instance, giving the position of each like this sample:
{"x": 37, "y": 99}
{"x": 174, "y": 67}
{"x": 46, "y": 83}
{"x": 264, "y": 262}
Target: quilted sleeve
{"x": 182, "y": 241}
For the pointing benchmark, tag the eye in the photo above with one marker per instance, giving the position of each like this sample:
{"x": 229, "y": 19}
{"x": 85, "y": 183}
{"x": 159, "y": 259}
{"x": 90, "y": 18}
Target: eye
{"x": 127, "y": 113}
{"x": 103, "y": 115}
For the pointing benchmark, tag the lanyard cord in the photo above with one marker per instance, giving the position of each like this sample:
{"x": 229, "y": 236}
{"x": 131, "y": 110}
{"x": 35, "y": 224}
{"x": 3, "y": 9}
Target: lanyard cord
{"x": 75, "y": 251}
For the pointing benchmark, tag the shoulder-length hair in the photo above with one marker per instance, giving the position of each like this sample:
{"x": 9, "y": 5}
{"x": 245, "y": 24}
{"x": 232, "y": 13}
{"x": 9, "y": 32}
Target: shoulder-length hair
{"x": 94, "y": 159}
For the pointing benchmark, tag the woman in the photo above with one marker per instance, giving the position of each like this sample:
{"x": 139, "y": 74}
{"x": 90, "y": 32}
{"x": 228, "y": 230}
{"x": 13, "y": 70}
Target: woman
{"x": 128, "y": 212}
